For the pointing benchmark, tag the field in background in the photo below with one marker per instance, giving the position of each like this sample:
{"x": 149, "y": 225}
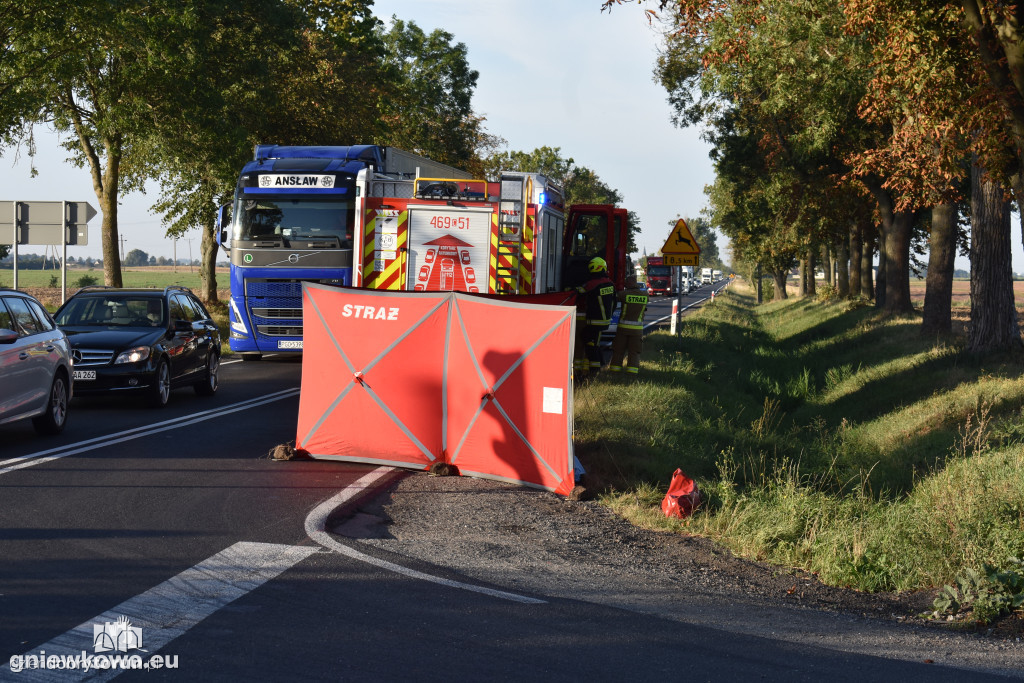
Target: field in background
{"x": 961, "y": 292}
{"x": 45, "y": 284}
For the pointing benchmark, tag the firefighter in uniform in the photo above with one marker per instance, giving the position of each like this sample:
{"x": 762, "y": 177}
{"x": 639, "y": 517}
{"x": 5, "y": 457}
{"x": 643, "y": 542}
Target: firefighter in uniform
{"x": 629, "y": 334}
{"x": 598, "y": 294}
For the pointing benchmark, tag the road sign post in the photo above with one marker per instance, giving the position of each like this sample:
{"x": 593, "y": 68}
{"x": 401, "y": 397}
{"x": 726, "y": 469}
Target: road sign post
{"x": 44, "y": 223}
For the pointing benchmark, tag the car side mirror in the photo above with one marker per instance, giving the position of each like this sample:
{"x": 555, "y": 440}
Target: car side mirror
{"x": 8, "y": 336}
{"x": 182, "y": 326}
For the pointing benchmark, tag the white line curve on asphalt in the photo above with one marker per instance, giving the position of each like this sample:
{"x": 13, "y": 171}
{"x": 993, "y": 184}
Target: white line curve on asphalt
{"x": 316, "y": 529}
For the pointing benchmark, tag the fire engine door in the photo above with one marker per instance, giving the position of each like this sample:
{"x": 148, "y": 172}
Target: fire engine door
{"x": 549, "y": 251}
{"x": 449, "y": 249}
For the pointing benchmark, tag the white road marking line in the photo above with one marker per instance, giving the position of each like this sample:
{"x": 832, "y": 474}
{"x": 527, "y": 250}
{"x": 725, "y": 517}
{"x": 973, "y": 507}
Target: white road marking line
{"x": 171, "y": 608}
{"x": 316, "y": 529}
{"x": 138, "y": 432}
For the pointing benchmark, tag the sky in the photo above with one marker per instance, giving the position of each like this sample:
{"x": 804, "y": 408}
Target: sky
{"x": 558, "y": 74}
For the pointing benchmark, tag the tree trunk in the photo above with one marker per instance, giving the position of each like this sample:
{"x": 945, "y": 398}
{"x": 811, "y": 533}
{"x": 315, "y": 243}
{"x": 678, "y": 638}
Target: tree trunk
{"x": 867, "y": 260}
{"x": 208, "y": 248}
{"x": 106, "y": 185}
{"x": 843, "y": 269}
{"x": 208, "y": 263}
{"x": 897, "y": 264}
{"x": 993, "y": 314}
{"x": 881, "y": 273}
{"x": 938, "y": 296}
{"x": 109, "y": 237}
{"x": 801, "y": 289}
{"x": 826, "y": 263}
{"x": 855, "y": 258}
{"x": 779, "y": 276}
{"x": 811, "y": 288}
{"x": 757, "y": 279}
{"x": 894, "y": 249}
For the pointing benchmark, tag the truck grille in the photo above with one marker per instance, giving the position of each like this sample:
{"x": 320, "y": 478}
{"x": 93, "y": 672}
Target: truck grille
{"x": 279, "y": 330}
{"x": 279, "y": 313}
{"x": 275, "y": 306}
{"x": 270, "y": 288}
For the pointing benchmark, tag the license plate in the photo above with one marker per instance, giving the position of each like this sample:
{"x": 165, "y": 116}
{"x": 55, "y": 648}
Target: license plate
{"x": 290, "y": 344}
{"x": 84, "y": 375}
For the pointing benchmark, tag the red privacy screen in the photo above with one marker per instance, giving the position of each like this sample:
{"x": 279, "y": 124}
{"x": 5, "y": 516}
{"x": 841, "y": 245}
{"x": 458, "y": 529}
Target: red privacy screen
{"x": 410, "y": 379}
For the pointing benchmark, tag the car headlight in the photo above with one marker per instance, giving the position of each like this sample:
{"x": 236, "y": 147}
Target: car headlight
{"x": 136, "y": 355}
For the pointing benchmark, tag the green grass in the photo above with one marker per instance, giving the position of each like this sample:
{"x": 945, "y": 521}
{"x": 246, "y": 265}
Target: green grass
{"x": 130, "y": 277}
{"x": 823, "y": 438}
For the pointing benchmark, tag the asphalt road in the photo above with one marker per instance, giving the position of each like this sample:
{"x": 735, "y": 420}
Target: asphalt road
{"x": 659, "y": 308}
{"x": 178, "y": 520}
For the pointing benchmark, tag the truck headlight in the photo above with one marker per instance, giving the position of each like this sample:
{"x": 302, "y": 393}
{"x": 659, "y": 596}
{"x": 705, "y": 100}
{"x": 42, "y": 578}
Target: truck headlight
{"x": 238, "y": 324}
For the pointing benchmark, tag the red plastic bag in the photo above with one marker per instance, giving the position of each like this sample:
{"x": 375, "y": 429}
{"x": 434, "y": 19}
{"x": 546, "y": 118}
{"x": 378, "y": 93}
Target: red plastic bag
{"x": 682, "y": 497}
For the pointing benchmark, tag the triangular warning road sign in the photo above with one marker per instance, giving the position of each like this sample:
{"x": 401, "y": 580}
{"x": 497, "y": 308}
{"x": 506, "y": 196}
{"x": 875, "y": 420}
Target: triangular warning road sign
{"x": 681, "y": 241}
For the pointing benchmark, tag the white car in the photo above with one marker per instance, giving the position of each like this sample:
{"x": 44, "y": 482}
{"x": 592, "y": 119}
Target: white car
{"x": 35, "y": 364}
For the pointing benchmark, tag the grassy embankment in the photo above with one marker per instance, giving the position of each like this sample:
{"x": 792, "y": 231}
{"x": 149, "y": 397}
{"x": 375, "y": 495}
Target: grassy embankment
{"x": 823, "y": 438}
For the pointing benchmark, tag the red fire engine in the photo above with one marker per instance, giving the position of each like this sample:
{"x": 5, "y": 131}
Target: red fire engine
{"x": 505, "y": 237}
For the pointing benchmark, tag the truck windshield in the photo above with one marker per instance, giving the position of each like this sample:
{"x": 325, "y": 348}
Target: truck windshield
{"x": 287, "y": 218}
{"x": 658, "y": 271}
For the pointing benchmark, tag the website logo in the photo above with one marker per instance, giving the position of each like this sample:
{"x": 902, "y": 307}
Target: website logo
{"x": 119, "y": 636}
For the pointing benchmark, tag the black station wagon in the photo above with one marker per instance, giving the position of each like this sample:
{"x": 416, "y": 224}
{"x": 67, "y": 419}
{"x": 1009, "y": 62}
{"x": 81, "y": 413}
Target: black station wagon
{"x": 145, "y": 341}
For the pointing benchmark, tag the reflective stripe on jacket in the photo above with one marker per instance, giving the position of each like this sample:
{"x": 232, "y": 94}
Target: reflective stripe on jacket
{"x": 634, "y": 307}
{"x": 600, "y": 296}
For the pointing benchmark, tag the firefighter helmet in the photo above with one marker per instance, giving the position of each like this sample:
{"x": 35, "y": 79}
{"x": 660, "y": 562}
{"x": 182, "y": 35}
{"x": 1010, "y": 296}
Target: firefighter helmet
{"x": 597, "y": 265}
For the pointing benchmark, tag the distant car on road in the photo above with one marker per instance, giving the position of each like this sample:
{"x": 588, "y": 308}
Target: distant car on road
{"x": 145, "y": 341}
{"x": 35, "y": 364}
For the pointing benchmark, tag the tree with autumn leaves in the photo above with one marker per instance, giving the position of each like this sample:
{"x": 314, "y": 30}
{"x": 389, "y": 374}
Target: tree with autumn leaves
{"x": 180, "y": 91}
{"x": 840, "y": 101}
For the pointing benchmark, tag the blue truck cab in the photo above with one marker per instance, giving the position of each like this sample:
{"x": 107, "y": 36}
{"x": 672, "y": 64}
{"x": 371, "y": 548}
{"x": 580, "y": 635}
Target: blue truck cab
{"x": 292, "y": 219}
{"x": 295, "y": 211}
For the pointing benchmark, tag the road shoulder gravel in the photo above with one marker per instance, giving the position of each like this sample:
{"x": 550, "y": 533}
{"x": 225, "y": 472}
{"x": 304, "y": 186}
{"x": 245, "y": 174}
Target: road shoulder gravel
{"x": 520, "y": 539}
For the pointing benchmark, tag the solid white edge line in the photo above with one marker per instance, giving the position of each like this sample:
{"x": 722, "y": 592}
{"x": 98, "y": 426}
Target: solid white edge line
{"x": 316, "y": 529}
{"x": 171, "y": 608}
{"x": 138, "y": 432}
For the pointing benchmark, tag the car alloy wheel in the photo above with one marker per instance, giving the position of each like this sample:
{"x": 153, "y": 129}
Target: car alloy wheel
{"x": 56, "y": 415}
{"x": 161, "y": 390}
{"x": 208, "y": 386}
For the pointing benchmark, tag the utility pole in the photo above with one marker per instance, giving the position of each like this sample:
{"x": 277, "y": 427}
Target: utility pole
{"x": 174, "y": 254}
{"x": 122, "y": 238}
{"x": 190, "y": 254}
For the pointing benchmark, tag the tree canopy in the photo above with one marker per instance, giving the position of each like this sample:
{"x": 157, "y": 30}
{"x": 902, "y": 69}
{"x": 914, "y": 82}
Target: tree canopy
{"x": 838, "y": 125}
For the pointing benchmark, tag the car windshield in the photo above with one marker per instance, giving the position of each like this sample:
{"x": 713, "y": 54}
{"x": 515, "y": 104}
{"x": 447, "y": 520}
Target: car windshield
{"x": 658, "y": 271}
{"x": 286, "y": 219}
{"x": 113, "y": 311}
